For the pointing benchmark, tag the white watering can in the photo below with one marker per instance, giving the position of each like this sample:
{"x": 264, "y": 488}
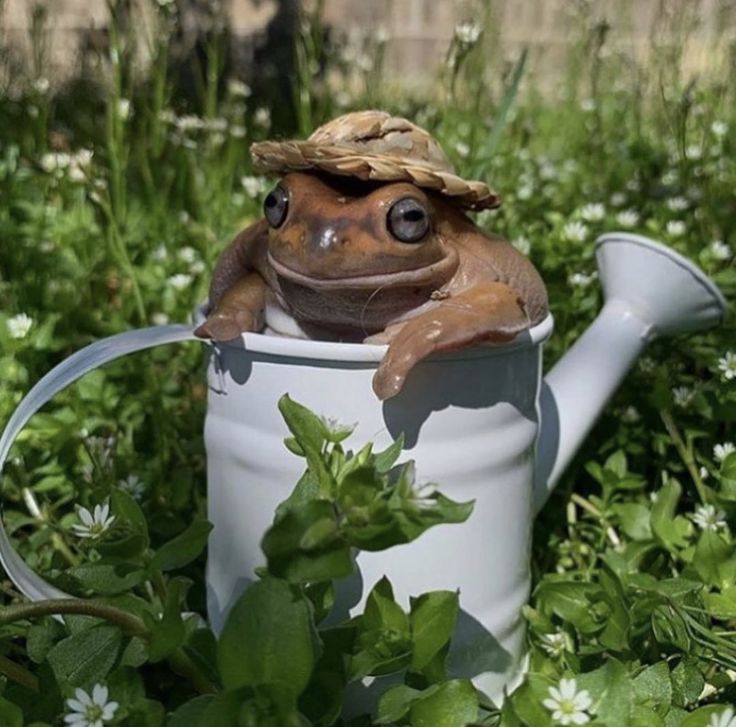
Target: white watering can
{"x": 482, "y": 423}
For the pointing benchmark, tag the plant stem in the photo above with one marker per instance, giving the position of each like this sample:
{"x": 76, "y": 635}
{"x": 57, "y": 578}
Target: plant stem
{"x": 130, "y": 624}
{"x": 685, "y": 452}
{"x": 18, "y": 674}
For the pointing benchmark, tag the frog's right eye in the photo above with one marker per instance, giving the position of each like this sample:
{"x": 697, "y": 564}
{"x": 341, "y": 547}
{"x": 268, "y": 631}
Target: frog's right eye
{"x": 275, "y": 206}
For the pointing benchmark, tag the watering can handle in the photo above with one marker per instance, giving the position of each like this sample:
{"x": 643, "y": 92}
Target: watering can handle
{"x": 65, "y": 373}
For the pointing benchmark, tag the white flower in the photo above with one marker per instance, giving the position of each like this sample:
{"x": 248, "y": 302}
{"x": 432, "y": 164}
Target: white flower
{"x": 587, "y": 104}
{"x": 581, "y": 280}
{"x": 18, "y": 326}
{"x": 630, "y": 415}
{"x": 677, "y": 204}
{"x": 124, "y": 108}
{"x": 262, "y": 118}
{"x": 187, "y": 254}
{"x": 682, "y": 395}
{"x": 647, "y": 364}
{"x": 693, "y": 152}
{"x": 55, "y": 161}
{"x": 189, "y": 123}
{"x": 720, "y": 250}
{"x": 180, "y": 281}
{"x": 618, "y": 199}
{"x": 568, "y": 706}
{"x": 726, "y": 365}
{"x": 197, "y": 267}
{"x": 676, "y": 228}
{"x": 41, "y": 85}
{"x": 237, "y": 132}
{"x": 462, "y": 149}
{"x": 547, "y": 171}
{"x": 238, "y": 89}
{"x": 525, "y": 192}
{"x": 575, "y": 231}
{"x": 218, "y": 124}
{"x": 522, "y": 244}
{"x": 555, "y": 644}
{"x": 253, "y": 186}
{"x": 669, "y": 177}
{"x": 627, "y": 218}
{"x": 93, "y": 523}
{"x": 467, "y": 32}
{"x": 90, "y": 711}
{"x": 133, "y": 485}
{"x": 706, "y": 517}
{"x": 727, "y": 718}
{"x": 160, "y": 253}
{"x": 721, "y": 451}
{"x": 704, "y": 474}
{"x": 719, "y": 128}
{"x": 594, "y": 212}
{"x": 159, "y": 319}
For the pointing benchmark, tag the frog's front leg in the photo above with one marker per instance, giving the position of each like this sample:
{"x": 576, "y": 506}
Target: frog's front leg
{"x": 489, "y": 312}
{"x": 240, "y": 308}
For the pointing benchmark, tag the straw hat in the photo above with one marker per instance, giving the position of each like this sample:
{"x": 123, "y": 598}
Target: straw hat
{"x": 374, "y": 145}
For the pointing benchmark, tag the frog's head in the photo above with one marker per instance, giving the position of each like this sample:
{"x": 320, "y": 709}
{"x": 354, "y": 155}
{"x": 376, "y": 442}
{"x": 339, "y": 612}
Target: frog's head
{"x": 363, "y": 221}
{"x": 328, "y": 232}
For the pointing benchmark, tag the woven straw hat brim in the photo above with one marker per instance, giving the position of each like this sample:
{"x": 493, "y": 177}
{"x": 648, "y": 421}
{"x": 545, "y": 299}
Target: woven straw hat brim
{"x": 291, "y": 156}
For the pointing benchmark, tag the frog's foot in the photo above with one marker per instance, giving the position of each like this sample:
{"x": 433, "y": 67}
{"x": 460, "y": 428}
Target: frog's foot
{"x": 239, "y": 310}
{"x": 225, "y": 325}
{"x": 492, "y": 312}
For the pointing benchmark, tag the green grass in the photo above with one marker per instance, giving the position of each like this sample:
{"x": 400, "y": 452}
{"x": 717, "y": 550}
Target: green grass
{"x": 634, "y": 595}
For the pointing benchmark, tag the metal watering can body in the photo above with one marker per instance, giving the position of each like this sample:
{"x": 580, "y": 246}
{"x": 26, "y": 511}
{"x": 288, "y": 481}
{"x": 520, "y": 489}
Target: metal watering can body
{"x": 481, "y": 423}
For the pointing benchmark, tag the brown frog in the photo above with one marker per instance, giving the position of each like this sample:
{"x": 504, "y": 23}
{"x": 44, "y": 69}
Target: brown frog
{"x": 365, "y": 238}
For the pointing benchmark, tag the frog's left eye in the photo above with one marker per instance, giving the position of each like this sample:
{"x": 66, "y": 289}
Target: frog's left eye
{"x": 275, "y": 206}
{"x": 408, "y": 220}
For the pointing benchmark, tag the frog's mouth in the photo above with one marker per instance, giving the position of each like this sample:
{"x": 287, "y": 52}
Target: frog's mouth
{"x": 436, "y": 272}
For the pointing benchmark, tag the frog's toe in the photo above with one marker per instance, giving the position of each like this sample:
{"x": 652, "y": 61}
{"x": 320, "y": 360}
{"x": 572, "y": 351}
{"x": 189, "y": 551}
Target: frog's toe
{"x": 225, "y": 325}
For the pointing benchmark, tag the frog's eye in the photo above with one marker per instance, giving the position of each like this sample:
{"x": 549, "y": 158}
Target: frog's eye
{"x": 408, "y": 220}
{"x": 275, "y": 206}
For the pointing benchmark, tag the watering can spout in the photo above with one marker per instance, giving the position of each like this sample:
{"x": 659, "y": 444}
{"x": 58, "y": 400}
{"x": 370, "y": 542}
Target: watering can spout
{"x": 650, "y": 290}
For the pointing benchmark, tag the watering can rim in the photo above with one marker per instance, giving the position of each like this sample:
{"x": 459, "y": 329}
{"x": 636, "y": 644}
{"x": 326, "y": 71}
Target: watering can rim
{"x": 304, "y": 348}
{"x": 642, "y": 240}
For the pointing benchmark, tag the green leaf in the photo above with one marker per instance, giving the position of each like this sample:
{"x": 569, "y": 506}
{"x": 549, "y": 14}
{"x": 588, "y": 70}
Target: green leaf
{"x": 191, "y": 714}
{"x": 704, "y": 717}
{"x": 571, "y": 601}
{"x": 41, "y": 638}
{"x": 184, "y": 548}
{"x": 395, "y": 703}
{"x": 634, "y": 519}
{"x": 432, "y": 619}
{"x": 453, "y": 704}
{"x": 670, "y": 529}
{"x": 10, "y": 714}
{"x": 168, "y": 632}
{"x": 269, "y": 639}
{"x": 85, "y": 658}
{"x": 612, "y": 692}
{"x": 687, "y": 683}
{"x": 127, "y": 510}
{"x": 105, "y": 579}
{"x": 722, "y": 605}
{"x": 653, "y": 688}
{"x": 714, "y": 560}
{"x": 384, "y": 461}
{"x": 310, "y": 433}
{"x": 302, "y": 546}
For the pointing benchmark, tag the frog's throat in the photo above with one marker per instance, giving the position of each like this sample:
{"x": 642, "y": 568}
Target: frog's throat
{"x": 438, "y": 272}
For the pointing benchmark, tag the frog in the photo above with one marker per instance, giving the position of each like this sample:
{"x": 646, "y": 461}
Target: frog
{"x": 363, "y": 259}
